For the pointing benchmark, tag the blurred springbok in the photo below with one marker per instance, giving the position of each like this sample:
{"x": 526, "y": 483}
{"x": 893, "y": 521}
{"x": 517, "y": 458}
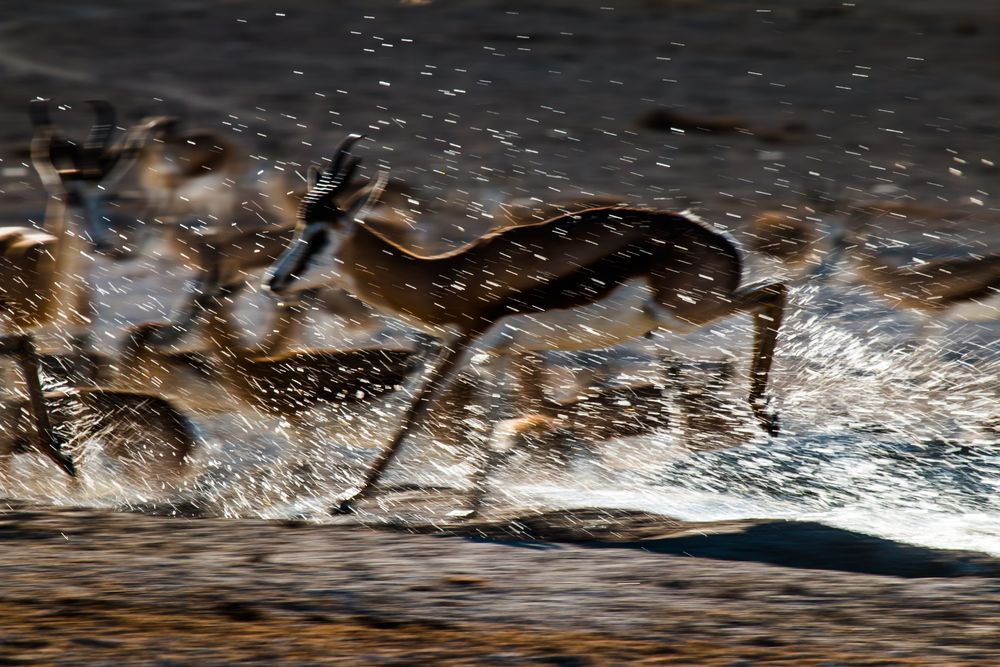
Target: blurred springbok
{"x": 954, "y": 287}
{"x": 283, "y": 385}
{"x": 32, "y": 280}
{"x": 80, "y": 179}
{"x": 691, "y": 402}
{"x": 586, "y": 280}
{"x": 28, "y": 262}
{"x": 226, "y": 225}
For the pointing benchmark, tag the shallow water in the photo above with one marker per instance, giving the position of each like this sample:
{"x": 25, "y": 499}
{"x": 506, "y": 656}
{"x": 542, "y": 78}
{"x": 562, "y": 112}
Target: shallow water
{"x": 879, "y": 437}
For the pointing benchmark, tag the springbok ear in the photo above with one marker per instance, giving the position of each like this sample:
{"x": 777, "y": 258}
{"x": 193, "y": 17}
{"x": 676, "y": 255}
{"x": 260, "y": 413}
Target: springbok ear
{"x": 312, "y": 176}
{"x": 103, "y": 127}
{"x": 362, "y": 202}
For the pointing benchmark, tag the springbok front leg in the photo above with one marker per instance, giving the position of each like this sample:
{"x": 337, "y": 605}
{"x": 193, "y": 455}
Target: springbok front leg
{"x": 534, "y": 420}
{"x": 455, "y": 354}
{"x": 22, "y": 349}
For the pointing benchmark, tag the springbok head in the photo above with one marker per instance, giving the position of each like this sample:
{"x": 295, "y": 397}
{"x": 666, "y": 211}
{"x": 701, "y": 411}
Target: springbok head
{"x": 85, "y": 174}
{"x": 326, "y": 217}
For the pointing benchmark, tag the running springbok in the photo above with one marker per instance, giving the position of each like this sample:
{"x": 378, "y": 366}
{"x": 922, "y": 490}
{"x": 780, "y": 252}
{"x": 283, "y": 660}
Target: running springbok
{"x": 282, "y": 385}
{"x": 190, "y": 172}
{"x": 80, "y": 179}
{"x": 961, "y": 288}
{"x": 144, "y": 434}
{"x": 285, "y": 385}
{"x": 32, "y": 265}
{"x": 692, "y": 402}
{"x": 587, "y": 280}
{"x": 28, "y": 261}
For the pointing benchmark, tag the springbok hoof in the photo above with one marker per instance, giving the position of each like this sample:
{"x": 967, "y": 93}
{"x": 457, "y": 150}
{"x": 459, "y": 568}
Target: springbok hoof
{"x": 63, "y": 460}
{"x": 67, "y": 464}
{"x": 345, "y": 507}
{"x": 345, "y": 504}
{"x": 771, "y": 424}
{"x": 769, "y": 421}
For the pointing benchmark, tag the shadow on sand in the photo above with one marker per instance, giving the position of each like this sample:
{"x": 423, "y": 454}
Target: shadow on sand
{"x": 796, "y": 544}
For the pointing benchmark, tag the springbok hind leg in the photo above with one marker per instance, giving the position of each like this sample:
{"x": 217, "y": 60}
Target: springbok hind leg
{"x": 767, "y": 305}
{"x": 509, "y": 434}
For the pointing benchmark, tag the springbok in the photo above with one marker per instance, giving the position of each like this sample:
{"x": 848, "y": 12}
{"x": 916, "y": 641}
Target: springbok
{"x": 143, "y": 434}
{"x": 691, "y": 402}
{"x": 31, "y": 263}
{"x": 962, "y": 288}
{"x": 42, "y": 278}
{"x": 190, "y": 172}
{"x": 79, "y": 179}
{"x": 587, "y": 280}
{"x": 28, "y": 262}
{"x": 283, "y": 385}
{"x": 791, "y": 238}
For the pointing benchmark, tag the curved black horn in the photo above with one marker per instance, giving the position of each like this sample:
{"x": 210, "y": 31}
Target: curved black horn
{"x": 53, "y": 157}
{"x": 343, "y": 150}
{"x": 349, "y": 169}
{"x": 39, "y": 112}
{"x": 104, "y": 125}
{"x": 320, "y": 196}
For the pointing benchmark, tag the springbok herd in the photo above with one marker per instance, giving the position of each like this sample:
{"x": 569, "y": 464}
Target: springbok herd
{"x": 582, "y": 275}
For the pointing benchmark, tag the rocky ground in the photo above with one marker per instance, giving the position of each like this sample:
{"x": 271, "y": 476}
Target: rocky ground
{"x": 726, "y": 106}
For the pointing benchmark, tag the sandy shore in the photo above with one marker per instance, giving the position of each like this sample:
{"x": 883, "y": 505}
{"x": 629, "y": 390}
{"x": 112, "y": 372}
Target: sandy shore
{"x": 608, "y": 588}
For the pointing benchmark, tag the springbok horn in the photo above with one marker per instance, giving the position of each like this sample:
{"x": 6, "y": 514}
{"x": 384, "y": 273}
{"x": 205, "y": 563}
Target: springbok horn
{"x": 312, "y": 176}
{"x": 343, "y": 150}
{"x": 331, "y": 179}
{"x": 372, "y": 196}
{"x": 104, "y": 125}
{"x": 348, "y": 170}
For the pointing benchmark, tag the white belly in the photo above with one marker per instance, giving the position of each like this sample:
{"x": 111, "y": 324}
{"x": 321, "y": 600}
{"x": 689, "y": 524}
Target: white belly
{"x": 626, "y": 313}
{"x": 980, "y": 310}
